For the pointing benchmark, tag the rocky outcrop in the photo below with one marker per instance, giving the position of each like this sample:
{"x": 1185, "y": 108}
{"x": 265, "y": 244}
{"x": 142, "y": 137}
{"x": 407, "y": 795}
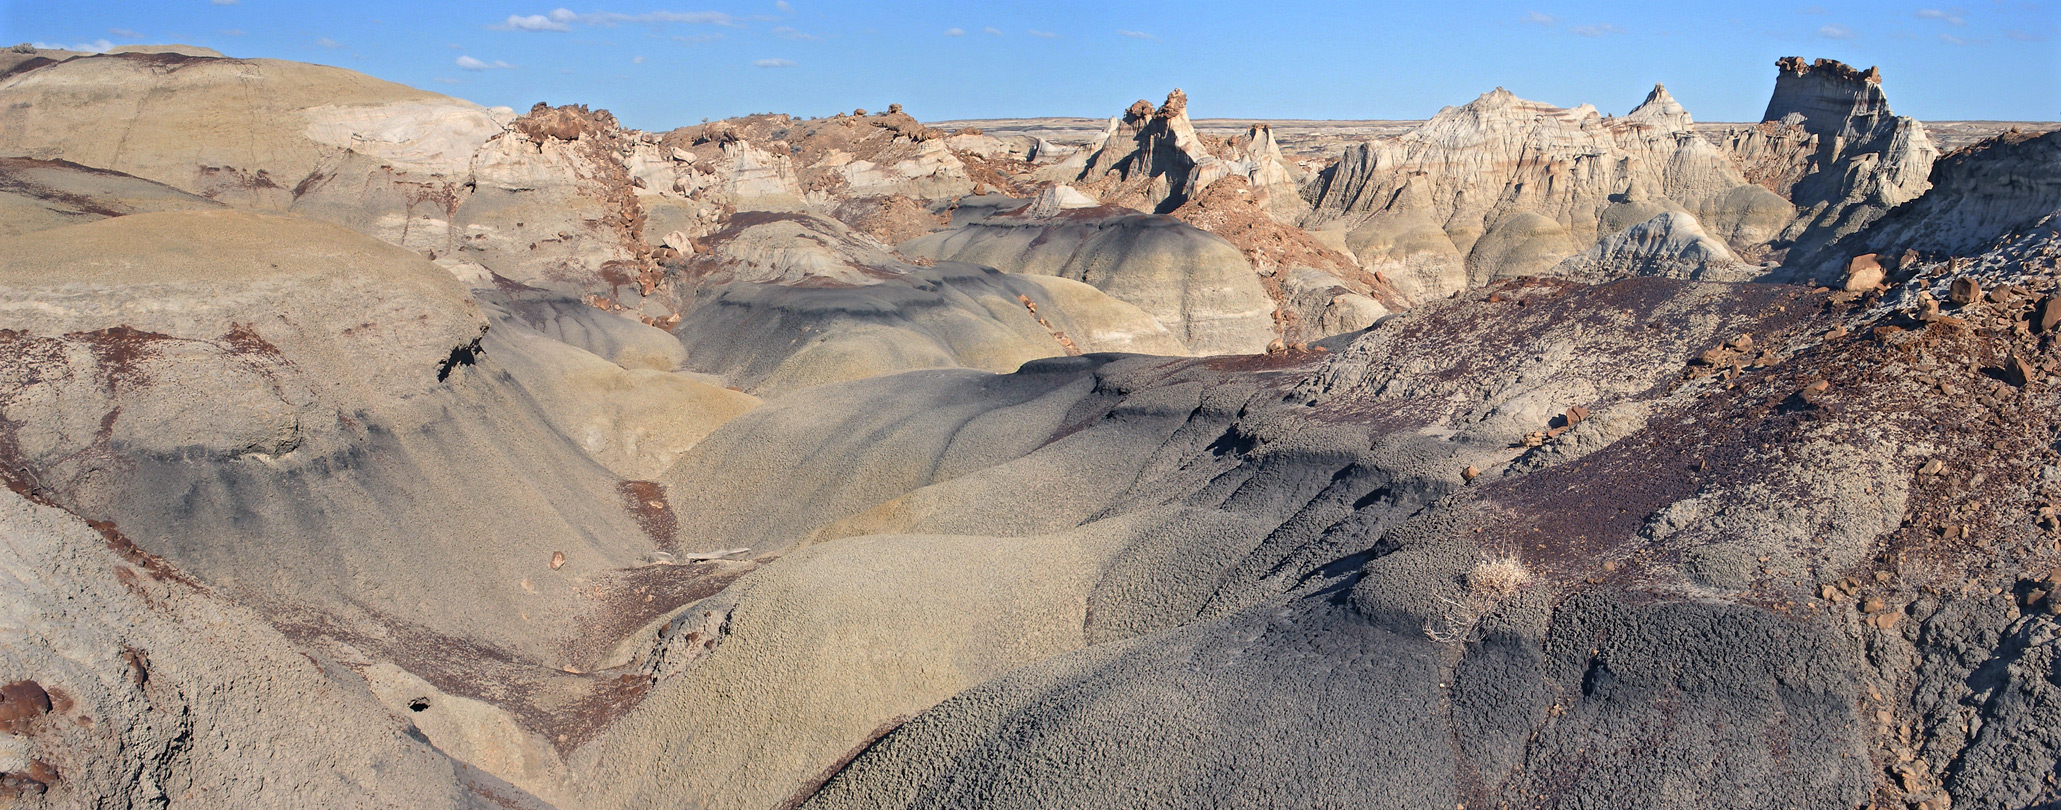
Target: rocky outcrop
{"x": 1980, "y": 196}
{"x": 1868, "y": 159}
{"x": 293, "y": 512}
{"x": 1670, "y": 245}
{"x": 1502, "y": 187}
{"x": 430, "y": 173}
{"x": 781, "y": 163}
{"x": 1773, "y": 154}
{"x": 1151, "y": 158}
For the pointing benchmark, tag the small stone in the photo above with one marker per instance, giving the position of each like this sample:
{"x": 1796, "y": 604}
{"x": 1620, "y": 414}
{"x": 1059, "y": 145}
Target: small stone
{"x": 557, "y": 560}
{"x": 1836, "y": 333}
{"x": 1928, "y": 309}
{"x": 1908, "y": 260}
{"x": 1610, "y": 566}
{"x": 1874, "y": 604}
{"x": 1932, "y": 467}
{"x": 2018, "y": 372}
{"x": 1740, "y": 343}
{"x": 2050, "y": 313}
{"x": 1470, "y": 473}
{"x": 1886, "y": 619}
{"x": 1575, "y": 415}
{"x": 1964, "y": 291}
{"x": 1714, "y": 357}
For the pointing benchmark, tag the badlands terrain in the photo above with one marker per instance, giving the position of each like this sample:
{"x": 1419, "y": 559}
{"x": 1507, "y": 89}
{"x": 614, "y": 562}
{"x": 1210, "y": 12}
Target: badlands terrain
{"x": 368, "y": 447}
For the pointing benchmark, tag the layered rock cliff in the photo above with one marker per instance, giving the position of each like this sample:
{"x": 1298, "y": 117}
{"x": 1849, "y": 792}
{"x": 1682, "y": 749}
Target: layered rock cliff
{"x": 1502, "y": 187}
{"x": 1867, "y": 159}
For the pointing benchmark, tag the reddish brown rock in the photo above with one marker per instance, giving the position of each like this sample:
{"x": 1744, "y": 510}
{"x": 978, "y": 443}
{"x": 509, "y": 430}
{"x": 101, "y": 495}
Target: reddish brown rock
{"x": 2018, "y": 372}
{"x": 20, "y": 703}
{"x": 1863, "y": 273}
{"x": 1964, "y": 291}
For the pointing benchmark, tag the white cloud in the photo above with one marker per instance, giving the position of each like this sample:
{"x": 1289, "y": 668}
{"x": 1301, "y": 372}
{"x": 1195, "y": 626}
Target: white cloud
{"x": 328, "y": 43}
{"x": 1136, "y": 35}
{"x": 1540, "y": 18}
{"x": 470, "y": 63}
{"x": 955, "y": 32}
{"x": 1953, "y": 17}
{"x": 991, "y": 30}
{"x": 1836, "y": 31}
{"x": 562, "y": 19}
{"x": 785, "y": 32}
{"x": 1601, "y": 29}
{"x": 96, "y": 46}
{"x": 784, "y": 7}
{"x": 636, "y": 60}
{"x": 1042, "y": 34}
{"x": 773, "y": 63}
{"x": 533, "y": 22}
{"x": 613, "y": 18}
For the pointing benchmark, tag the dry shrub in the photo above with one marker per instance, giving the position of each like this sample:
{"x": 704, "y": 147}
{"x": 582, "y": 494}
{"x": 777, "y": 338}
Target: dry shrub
{"x": 1499, "y": 577}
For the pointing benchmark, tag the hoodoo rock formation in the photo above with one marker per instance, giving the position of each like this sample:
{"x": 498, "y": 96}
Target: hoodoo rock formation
{"x": 1866, "y": 160}
{"x": 364, "y": 446}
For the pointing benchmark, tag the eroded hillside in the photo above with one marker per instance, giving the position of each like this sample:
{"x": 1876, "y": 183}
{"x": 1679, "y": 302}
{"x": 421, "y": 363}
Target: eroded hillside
{"x": 365, "y": 442}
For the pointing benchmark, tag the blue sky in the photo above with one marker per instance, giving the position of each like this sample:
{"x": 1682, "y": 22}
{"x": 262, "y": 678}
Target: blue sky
{"x": 659, "y": 66}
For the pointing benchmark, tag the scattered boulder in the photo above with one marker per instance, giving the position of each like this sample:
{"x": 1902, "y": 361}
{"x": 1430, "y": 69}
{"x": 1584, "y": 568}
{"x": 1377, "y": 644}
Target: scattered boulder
{"x": 1864, "y": 273}
{"x": 1964, "y": 291}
